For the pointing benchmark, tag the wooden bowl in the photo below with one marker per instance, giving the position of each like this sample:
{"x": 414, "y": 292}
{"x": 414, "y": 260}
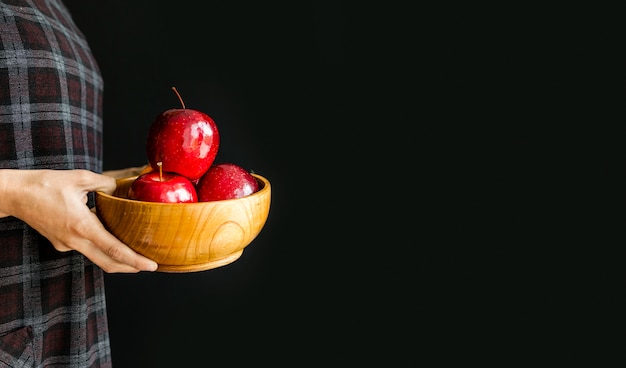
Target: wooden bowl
{"x": 185, "y": 237}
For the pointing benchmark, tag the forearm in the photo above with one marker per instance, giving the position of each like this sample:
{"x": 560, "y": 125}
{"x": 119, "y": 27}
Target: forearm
{"x": 12, "y": 184}
{"x": 27, "y": 194}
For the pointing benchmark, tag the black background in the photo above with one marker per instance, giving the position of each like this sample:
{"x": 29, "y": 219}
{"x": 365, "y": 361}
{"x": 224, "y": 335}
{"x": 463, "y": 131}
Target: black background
{"x": 276, "y": 79}
{"x": 443, "y": 176}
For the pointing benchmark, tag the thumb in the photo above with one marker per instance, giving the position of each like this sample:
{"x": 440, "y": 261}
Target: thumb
{"x": 94, "y": 182}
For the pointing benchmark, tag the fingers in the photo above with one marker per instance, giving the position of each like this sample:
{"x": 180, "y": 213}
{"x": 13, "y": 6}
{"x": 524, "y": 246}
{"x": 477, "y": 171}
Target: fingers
{"x": 118, "y": 259}
{"x": 114, "y": 256}
{"x": 97, "y": 244}
{"x": 126, "y": 172}
{"x": 105, "y": 250}
{"x": 122, "y": 254}
{"x": 92, "y": 182}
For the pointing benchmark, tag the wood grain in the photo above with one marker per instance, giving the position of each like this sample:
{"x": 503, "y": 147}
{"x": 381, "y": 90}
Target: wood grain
{"x": 185, "y": 237}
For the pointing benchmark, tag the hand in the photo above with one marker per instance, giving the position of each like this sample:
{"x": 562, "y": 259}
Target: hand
{"x": 127, "y": 172}
{"x": 53, "y": 202}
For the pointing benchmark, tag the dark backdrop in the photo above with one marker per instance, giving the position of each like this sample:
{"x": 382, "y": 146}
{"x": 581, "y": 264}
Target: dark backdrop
{"x": 440, "y": 174}
{"x": 274, "y": 79}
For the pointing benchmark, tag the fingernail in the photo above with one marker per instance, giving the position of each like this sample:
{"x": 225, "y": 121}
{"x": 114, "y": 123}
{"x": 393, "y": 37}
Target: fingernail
{"x": 153, "y": 266}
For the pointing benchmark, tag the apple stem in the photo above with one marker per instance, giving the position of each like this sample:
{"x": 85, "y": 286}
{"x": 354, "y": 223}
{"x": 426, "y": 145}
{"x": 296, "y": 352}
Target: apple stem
{"x": 160, "y": 165}
{"x": 179, "y": 98}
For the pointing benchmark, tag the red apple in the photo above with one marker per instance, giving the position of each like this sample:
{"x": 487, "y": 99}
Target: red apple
{"x": 225, "y": 181}
{"x": 184, "y": 140}
{"x": 159, "y": 186}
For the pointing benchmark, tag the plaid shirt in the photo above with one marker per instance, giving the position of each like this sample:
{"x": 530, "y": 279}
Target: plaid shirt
{"x": 52, "y": 304}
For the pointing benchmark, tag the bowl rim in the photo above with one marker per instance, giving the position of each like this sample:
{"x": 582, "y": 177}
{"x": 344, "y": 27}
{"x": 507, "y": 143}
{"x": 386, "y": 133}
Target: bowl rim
{"x": 263, "y": 181}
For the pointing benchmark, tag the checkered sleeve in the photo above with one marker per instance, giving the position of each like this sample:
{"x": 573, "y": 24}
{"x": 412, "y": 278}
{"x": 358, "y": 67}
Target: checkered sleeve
{"x": 50, "y": 91}
{"x": 52, "y": 304}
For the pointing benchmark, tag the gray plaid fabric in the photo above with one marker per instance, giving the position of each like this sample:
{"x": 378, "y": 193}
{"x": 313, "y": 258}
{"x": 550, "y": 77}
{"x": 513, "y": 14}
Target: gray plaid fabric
{"x": 52, "y": 304}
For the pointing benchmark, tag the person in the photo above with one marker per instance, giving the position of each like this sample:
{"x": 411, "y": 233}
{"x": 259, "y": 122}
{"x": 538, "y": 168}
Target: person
{"x": 53, "y": 248}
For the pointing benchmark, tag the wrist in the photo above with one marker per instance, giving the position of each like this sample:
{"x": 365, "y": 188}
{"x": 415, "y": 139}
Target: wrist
{"x": 5, "y": 192}
{"x": 14, "y": 184}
